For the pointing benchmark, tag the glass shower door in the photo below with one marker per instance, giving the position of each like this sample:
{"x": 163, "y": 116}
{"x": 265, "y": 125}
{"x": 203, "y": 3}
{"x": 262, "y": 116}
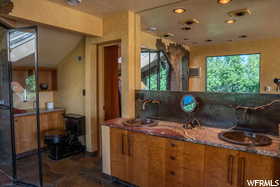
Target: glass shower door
{"x": 22, "y": 44}
{"x": 7, "y": 156}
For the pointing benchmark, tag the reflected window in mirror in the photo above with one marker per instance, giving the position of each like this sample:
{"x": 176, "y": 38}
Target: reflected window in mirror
{"x": 154, "y": 70}
{"x": 234, "y": 73}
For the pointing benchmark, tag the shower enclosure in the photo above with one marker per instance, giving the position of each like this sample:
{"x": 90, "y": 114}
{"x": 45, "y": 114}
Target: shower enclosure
{"x": 18, "y": 48}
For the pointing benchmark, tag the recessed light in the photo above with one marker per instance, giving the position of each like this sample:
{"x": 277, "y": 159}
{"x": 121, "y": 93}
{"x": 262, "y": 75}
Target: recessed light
{"x": 191, "y": 22}
{"x": 208, "y": 40}
{"x": 74, "y": 2}
{"x": 243, "y": 36}
{"x": 240, "y": 12}
{"x": 223, "y": 2}
{"x": 152, "y": 29}
{"x": 168, "y": 35}
{"x": 179, "y": 10}
{"x": 186, "y": 28}
{"x": 230, "y": 21}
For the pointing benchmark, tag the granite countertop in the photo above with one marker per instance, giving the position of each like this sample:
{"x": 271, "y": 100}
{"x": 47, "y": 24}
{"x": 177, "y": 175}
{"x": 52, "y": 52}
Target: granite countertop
{"x": 200, "y": 135}
{"x": 30, "y": 112}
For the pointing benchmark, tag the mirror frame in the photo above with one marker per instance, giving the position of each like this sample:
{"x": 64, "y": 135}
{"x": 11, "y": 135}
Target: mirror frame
{"x": 195, "y": 100}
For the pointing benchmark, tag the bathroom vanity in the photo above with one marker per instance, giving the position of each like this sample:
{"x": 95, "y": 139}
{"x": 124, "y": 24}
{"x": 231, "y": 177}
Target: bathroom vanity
{"x": 170, "y": 155}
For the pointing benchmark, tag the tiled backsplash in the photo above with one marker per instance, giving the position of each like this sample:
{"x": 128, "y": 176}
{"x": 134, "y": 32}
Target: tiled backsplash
{"x": 215, "y": 109}
{"x": 44, "y": 97}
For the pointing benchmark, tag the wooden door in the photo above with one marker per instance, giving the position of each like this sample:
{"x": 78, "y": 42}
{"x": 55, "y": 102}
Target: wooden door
{"x": 138, "y": 159}
{"x": 257, "y": 167}
{"x": 111, "y": 83}
{"x": 119, "y": 153}
{"x": 193, "y": 164}
{"x": 156, "y": 164}
{"x": 220, "y": 167}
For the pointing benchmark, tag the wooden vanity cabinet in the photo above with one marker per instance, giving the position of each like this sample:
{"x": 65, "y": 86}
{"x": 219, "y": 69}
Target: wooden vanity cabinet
{"x": 252, "y": 166}
{"x": 149, "y": 161}
{"x": 119, "y": 157}
{"x": 229, "y": 168}
{"x": 220, "y": 167}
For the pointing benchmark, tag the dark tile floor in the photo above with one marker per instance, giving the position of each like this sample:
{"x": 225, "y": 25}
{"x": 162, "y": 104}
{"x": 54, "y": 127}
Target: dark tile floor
{"x": 82, "y": 170}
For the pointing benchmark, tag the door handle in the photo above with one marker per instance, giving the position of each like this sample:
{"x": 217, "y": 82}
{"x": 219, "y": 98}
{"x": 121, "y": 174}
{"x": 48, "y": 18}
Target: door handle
{"x": 230, "y": 169}
{"x": 241, "y": 171}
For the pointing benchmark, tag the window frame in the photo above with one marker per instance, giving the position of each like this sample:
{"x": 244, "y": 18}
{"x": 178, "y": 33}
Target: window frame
{"x": 239, "y": 54}
{"x": 146, "y": 50}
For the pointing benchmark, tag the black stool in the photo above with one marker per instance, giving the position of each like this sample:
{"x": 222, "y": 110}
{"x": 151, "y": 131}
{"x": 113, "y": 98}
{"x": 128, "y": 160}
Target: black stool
{"x": 55, "y": 140}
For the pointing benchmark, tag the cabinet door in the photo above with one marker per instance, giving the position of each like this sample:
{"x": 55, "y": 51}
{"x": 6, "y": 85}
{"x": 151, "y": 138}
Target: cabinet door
{"x": 193, "y": 164}
{"x": 138, "y": 159}
{"x": 25, "y": 134}
{"x": 257, "y": 167}
{"x": 119, "y": 153}
{"x": 156, "y": 155}
{"x": 220, "y": 167}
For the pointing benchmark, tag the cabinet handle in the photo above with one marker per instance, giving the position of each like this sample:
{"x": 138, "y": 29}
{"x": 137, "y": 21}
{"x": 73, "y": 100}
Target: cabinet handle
{"x": 172, "y": 158}
{"x": 241, "y": 171}
{"x": 129, "y": 145}
{"x": 173, "y": 144}
{"x": 230, "y": 169}
{"x": 172, "y": 173}
{"x": 123, "y": 149}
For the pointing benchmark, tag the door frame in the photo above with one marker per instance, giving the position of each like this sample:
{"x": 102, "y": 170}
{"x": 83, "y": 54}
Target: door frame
{"x": 101, "y": 85}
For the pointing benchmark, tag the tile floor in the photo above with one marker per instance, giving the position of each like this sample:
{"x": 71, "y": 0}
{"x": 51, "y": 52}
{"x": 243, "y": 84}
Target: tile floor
{"x": 81, "y": 170}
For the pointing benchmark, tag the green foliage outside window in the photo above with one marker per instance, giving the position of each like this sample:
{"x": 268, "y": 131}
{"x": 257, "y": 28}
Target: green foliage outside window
{"x": 238, "y": 73}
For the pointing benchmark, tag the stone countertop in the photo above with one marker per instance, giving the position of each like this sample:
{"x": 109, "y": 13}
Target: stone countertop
{"x": 199, "y": 135}
{"x": 30, "y": 112}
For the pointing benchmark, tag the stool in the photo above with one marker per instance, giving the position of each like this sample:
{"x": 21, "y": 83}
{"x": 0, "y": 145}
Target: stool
{"x": 55, "y": 141}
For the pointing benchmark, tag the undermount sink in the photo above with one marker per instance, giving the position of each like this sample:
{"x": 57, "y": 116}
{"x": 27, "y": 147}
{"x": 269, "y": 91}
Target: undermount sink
{"x": 245, "y": 138}
{"x": 140, "y": 123}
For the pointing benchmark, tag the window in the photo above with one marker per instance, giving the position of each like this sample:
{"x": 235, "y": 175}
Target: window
{"x": 154, "y": 70}
{"x": 236, "y": 73}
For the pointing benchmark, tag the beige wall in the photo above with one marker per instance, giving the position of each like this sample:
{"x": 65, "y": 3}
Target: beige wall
{"x": 123, "y": 27}
{"x": 270, "y": 59}
{"x": 53, "y": 14}
{"x": 71, "y": 77}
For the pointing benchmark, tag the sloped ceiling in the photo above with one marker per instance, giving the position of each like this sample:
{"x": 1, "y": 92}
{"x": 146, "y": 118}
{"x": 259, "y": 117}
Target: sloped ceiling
{"x": 55, "y": 44}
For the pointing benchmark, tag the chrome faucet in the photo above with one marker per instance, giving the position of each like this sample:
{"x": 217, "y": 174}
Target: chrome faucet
{"x": 146, "y": 101}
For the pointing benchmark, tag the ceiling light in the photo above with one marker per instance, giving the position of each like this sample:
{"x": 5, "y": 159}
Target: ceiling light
{"x": 186, "y": 28}
{"x": 191, "y": 22}
{"x": 74, "y": 2}
{"x": 230, "y": 21}
{"x": 223, "y": 2}
{"x": 240, "y": 12}
{"x": 168, "y": 35}
{"x": 243, "y": 36}
{"x": 152, "y": 29}
{"x": 179, "y": 10}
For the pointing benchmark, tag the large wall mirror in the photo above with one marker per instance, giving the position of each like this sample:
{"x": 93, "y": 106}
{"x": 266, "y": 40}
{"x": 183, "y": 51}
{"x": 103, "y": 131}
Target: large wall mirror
{"x": 212, "y": 47}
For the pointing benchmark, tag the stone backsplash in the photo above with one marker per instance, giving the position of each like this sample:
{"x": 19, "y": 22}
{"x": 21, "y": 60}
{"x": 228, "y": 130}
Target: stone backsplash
{"x": 220, "y": 110}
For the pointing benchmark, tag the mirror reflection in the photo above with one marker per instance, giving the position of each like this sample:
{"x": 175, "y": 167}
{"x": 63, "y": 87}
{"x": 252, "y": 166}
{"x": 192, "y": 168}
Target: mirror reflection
{"x": 188, "y": 103}
{"x": 215, "y": 48}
